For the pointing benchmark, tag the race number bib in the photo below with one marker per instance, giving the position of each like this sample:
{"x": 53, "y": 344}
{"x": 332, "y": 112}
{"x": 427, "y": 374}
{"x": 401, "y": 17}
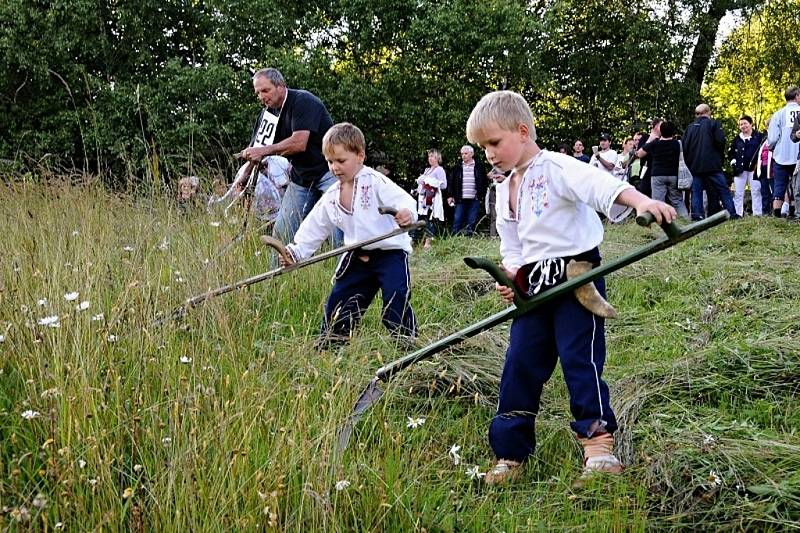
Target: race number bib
{"x": 792, "y": 114}
{"x": 266, "y": 130}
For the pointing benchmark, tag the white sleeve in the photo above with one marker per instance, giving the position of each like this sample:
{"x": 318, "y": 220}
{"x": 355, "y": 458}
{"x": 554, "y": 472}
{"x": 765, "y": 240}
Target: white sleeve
{"x": 774, "y": 130}
{"x": 442, "y": 176}
{"x": 312, "y": 232}
{"x": 510, "y": 244}
{"x": 390, "y": 194}
{"x": 595, "y": 188}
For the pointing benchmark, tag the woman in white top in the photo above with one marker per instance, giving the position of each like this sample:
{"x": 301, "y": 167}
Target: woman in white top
{"x": 429, "y": 189}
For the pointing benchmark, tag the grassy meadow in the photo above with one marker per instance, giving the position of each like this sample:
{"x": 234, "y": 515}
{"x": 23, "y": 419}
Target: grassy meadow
{"x": 227, "y": 419}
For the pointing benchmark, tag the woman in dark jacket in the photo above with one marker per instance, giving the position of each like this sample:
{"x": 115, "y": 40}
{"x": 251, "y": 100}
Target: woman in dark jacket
{"x": 664, "y": 153}
{"x": 744, "y": 156}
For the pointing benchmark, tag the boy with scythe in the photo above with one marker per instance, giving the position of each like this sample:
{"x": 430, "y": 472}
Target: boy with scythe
{"x": 351, "y": 205}
{"x": 546, "y": 219}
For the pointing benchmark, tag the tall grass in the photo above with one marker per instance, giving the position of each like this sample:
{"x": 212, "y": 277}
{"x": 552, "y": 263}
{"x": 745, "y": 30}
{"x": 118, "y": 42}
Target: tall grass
{"x": 227, "y": 419}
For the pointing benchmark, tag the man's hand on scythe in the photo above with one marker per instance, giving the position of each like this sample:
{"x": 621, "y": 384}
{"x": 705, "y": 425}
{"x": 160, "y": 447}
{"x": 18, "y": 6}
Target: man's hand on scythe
{"x": 254, "y": 153}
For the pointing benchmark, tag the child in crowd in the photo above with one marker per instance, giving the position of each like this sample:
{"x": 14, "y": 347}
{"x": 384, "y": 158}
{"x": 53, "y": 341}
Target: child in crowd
{"x": 187, "y": 193}
{"x": 546, "y": 217}
{"x": 352, "y": 206}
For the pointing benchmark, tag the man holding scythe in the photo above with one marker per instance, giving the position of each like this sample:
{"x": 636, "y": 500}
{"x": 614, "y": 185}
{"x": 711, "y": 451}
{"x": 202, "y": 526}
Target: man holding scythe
{"x": 292, "y": 124}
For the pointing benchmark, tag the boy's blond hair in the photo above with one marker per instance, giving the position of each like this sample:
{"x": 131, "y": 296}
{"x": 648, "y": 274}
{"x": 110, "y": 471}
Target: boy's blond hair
{"x": 344, "y": 134}
{"x": 506, "y": 109}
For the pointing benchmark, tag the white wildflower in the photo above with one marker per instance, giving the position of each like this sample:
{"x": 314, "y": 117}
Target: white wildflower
{"x": 75, "y": 233}
{"x": 112, "y": 338}
{"x": 474, "y": 472}
{"x": 40, "y": 501}
{"x": 127, "y": 493}
{"x": 2, "y": 338}
{"x": 138, "y": 468}
{"x": 71, "y": 296}
{"x": 258, "y": 253}
{"x": 214, "y": 224}
{"x": 41, "y": 302}
{"x": 179, "y": 279}
{"x": 94, "y": 481}
{"x": 164, "y": 244}
{"x": 98, "y": 318}
{"x": 81, "y": 464}
{"x": 342, "y": 484}
{"x": 83, "y": 306}
{"x": 714, "y": 479}
{"x": 414, "y": 423}
{"x": 127, "y": 248}
{"x": 166, "y": 441}
{"x": 454, "y": 449}
{"x": 50, "y": 321}
{"x": 59, "y": 525}
{"x": 30, "y": 414}
{"x": 708, "y": 440}
{"x": 185, "y": 359}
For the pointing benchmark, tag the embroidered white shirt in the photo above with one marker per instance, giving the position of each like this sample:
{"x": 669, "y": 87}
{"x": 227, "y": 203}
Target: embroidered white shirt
{"x": 556, "y": 203}
{"x": 371, "y": 189}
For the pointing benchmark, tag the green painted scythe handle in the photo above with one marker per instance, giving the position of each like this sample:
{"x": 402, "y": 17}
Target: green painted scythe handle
{"x": 372, "y": 394}
{"x": 673, "y": 235}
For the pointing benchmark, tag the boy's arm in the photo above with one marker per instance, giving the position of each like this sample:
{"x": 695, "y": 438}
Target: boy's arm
{"x": 630, "y": 197}
{"x": 390, "y": 194}
{"x": 312, "y": 232}
{"x": 510, "y": 243}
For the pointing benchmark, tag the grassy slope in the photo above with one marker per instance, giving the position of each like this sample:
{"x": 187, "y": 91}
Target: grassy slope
{"x": 703, "y": 364}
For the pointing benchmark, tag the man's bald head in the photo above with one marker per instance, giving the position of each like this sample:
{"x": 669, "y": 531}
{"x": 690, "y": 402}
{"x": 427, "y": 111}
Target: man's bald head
{"x": 702, "y": 110}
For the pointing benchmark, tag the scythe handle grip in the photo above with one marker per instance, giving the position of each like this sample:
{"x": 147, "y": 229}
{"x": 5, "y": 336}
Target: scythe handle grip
{"x": 670, "y": 228}
{"x": 497, "y": 273}
{"x": 386, "y": 210}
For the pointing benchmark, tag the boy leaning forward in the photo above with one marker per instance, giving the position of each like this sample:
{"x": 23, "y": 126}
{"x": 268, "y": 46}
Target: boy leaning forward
{"x": 546, "y": 216}
{"x": 351, "y": 204}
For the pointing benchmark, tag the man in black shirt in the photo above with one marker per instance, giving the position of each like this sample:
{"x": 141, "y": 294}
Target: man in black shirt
{"x": 302, "y": 122}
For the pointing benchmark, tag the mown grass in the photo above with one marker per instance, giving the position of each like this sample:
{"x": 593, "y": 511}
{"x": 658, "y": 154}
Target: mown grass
{"x": 240, "y": 433}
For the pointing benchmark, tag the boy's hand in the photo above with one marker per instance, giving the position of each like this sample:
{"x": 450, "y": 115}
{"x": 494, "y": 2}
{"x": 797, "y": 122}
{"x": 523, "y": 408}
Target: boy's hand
{"x": 404, "y": 217}
{"x": 285, "y": 260}
{"x": 507, "y": 293}
{"x": 663, "y": 212}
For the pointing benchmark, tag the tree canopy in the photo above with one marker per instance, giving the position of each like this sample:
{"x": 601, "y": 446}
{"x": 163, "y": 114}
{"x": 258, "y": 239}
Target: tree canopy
{"x": 127, "y": 88}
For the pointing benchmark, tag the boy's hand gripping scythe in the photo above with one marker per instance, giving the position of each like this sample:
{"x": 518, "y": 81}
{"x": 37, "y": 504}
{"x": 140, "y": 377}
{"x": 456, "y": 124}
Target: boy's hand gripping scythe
{"x": 373, "y": 392}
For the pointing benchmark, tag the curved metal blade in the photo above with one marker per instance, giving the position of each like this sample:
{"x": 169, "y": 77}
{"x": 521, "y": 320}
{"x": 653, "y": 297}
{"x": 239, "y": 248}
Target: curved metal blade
{"x": 370, "y": 396}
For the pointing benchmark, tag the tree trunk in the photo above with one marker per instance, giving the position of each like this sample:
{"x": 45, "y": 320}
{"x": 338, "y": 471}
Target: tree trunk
{"x": 701, "y": 57}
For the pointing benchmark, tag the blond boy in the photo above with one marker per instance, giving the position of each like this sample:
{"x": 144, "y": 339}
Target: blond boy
{"x": 546, "y": 216}
{"x": 351, "y": 205}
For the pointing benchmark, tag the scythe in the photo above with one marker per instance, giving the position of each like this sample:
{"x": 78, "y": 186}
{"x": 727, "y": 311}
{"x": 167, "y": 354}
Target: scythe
{"x": 373, "y": 392}
{"x": 194, "y": 301}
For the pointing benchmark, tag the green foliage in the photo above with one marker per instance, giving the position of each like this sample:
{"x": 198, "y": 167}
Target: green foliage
{"x": 756, "y": 63}
{"x": 114, "y": 88}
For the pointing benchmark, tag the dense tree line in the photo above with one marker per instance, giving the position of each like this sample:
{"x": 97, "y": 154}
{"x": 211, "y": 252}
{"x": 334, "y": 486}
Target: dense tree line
{"x": 161, "y": 88}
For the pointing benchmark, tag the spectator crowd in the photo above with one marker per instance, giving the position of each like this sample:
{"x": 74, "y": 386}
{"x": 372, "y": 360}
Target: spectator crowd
{"x": 697, "y": 171}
